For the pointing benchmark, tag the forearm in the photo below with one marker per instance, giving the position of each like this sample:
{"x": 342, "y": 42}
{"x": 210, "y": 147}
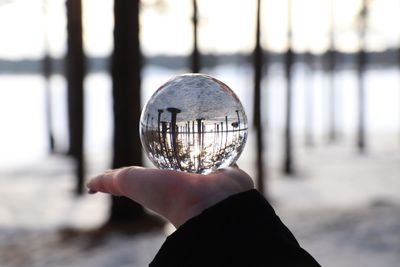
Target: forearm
{"x": 240, "y": 230}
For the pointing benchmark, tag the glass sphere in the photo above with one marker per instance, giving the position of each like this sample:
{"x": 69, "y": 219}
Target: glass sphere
{"x": 193, "y": 123}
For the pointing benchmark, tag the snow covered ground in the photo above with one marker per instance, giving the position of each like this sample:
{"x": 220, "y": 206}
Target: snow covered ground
{"x": 343, "y": 208}
{"x": 346, "y": 209}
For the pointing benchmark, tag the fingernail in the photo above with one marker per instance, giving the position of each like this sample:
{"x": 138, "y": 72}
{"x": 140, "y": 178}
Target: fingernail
{"x": 91, "y": 191}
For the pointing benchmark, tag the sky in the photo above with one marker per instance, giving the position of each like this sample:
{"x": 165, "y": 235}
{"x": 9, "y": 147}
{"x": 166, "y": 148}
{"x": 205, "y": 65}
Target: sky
{"x": 225, "y": 26}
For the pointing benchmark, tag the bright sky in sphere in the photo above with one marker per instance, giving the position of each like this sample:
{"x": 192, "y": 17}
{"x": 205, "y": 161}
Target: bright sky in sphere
{"x": 195, "y": 96}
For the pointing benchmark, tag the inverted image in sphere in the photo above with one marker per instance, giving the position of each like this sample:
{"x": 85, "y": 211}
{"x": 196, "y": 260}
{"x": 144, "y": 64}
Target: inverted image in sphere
{"x": 193, "y": 123}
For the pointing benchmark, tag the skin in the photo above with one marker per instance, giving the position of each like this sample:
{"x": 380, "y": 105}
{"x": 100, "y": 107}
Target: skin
{"x": 177, "y": 196}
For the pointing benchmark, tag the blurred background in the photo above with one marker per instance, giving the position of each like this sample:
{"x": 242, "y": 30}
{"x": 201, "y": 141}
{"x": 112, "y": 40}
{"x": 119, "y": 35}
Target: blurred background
{"x": 319, "y": 80}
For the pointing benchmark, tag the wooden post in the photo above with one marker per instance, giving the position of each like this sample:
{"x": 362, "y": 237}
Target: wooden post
{"x": 288, "y": 168}
{"x": 331, "y": 56}
{"x": 195, "y": 58}
{"x": 258, "y": 66}
{"x": 126, "y": 79}
{"x": 75, "y": 72}
{"x": 361, "y": 64}
{"x": 47, "y": 69}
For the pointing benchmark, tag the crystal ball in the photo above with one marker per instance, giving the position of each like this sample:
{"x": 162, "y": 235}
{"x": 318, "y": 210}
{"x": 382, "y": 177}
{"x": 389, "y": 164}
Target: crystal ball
{"x": 193, "y": 123}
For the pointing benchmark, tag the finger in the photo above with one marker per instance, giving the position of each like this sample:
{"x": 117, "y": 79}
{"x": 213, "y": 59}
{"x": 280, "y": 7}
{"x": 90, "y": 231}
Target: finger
{"x": 91, "y": 191}
{"x": 141, "y": 183}
{"x": 242, "y": 179}
{"x": 105, "y": 183}
{"x": 152, "y": 188}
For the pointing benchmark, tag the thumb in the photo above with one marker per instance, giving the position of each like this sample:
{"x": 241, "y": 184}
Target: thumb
{"x": 106, "y": 182}
{"x": 163, "y": 191}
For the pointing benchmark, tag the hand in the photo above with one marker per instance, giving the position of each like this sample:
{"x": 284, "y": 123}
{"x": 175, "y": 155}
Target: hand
{"x": 177, "y": 196}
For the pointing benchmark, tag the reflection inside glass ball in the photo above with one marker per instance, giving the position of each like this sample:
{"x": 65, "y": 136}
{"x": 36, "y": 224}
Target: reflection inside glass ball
{"x": 193, "y": 123}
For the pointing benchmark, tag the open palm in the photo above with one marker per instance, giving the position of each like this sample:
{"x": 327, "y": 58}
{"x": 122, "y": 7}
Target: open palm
{"x": 177, "y": 196}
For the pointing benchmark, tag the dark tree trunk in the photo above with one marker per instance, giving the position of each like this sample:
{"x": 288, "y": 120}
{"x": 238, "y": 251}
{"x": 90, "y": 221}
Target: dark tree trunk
{"x": 258, "y": 64}
{"x": 361, "y": 64}
{"x": 195, "y": 58}
{"x": 288, "y": 167}
{"x": 332, "y": 133}
{"x": 309, "y": 102}
{"x": 126, "y": 78}
{"x": 75, "y": 71}
{"x": 47, "y": 69}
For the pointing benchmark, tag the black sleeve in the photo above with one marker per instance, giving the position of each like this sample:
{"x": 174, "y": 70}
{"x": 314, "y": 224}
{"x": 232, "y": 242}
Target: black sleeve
{"x": 242, "y": 230}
